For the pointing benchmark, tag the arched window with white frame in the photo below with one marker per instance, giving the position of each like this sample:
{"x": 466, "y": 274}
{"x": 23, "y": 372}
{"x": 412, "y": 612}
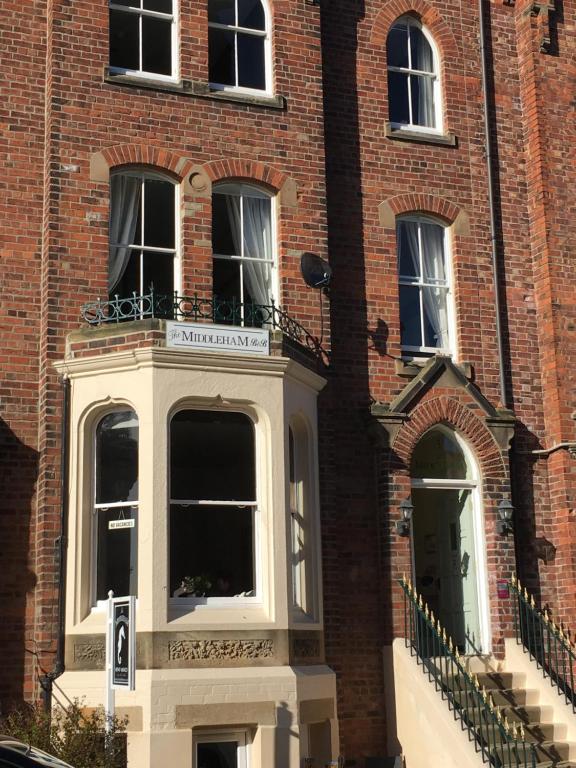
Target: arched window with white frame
{"x": 239, "y": 50}
{"x": 425, "y": 287}
{"x": 243, "y": 248}
{"x": 143, "y": 233}
{"x": 414, "y": 97}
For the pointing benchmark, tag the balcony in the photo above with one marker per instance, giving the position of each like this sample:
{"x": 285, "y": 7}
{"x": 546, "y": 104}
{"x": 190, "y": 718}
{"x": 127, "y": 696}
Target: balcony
{"x": 211, "y": 311}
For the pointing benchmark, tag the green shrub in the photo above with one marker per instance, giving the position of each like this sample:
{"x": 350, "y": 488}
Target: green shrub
{"x": 74, "y": 734}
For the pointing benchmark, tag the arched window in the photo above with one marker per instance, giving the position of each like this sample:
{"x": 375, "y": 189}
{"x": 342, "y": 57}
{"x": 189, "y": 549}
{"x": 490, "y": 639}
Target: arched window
{"x": 213, "y": 509}
{"x": 143, "y": 37}
{"x": 143, "y": 233}
{"x": 116, "y": 505}
{"x": 413, "y": 77}
{"x": 424, "y": 272}
{"x": 243, "y": 246}
{"x": 239, "y": 45}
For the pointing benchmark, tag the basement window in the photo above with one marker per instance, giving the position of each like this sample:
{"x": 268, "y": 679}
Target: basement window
{"x": 213, "y": 509}
{"x": 226, "y": 749}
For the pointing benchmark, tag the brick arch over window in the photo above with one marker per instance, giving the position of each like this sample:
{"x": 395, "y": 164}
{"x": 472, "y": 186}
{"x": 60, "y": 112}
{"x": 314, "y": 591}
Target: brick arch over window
{"x": 248, "y": 170}
{"x": 425, "y": 13}
{"x": 101, "y": 163}
{"x": 445, "y": 410}
{"x": 420, "y": 202}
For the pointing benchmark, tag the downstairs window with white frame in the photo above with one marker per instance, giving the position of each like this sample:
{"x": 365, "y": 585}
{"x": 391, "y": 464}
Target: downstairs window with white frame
{"x": 115, "y": 505}
{"x": 213, "y": 508}
{"x": 425, "y": 288}
{"x": 221, "y": 749}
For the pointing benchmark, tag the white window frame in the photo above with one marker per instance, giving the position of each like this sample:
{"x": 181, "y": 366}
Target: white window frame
{"x": 251, "y": 190}
{"x": 141, "y": 12}
{"x": 266, "y": 34}
{"x": 143, "y": 176}
{"x": 412, "y": 352}
{"x": 101, "y": 605}
{"x": 438, "y": 127}
{"x": 218, "y": 602}
{"x": 241, "y": 736}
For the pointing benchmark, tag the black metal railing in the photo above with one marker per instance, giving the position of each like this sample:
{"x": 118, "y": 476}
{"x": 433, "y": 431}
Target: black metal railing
{"x": 500, "y": 743}
{"x": 546, "y": 643}
{"x": 171, "y": 306}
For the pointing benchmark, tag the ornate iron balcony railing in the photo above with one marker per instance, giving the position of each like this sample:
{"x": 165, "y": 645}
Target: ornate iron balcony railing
{"x": 199, "y": 309}
{"x": 500, "y": 743}
{"x": 545, "y": 642}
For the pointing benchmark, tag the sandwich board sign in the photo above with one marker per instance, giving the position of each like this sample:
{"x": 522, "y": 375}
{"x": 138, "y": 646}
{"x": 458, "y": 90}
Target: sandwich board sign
{"x": 120, "y": 648}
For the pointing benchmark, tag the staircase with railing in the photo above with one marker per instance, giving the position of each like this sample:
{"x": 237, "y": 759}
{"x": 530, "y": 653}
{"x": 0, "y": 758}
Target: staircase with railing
{"x": 505, "y": 712}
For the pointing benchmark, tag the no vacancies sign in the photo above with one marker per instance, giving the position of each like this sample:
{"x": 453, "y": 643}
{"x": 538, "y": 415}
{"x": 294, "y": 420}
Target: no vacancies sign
{"x": 225, "y": 338}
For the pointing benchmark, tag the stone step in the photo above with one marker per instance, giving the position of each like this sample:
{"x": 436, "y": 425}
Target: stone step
{"x": 534, "y": 714}
{"x": 505, "y": 697}
{"x": 552, "y": 752}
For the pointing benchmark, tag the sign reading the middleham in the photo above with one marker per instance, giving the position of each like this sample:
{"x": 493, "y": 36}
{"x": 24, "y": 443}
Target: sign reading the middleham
{"x": 225, "y": 338}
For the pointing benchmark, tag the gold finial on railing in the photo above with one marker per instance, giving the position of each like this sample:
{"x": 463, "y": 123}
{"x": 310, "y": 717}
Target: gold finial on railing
{"x": 404, "y": 582}
{"x": 532, "y": 602}
{"x": 513, "y": 580}
{"x": 522, "y": 734}
{"x": 420, "y": 603}
{"x": 499, "y": 715}
{"x": 456, "y": 653}
{"x": 426, "y": 611}
{"x": 475, "y": 681}
{"x": 484, "y": 694}
{"x": 491, "y": 703}
{"x": 506, "y": 724}
{"x": 433, "y": 619}
{"x": 525, "y": 594}
{"x": 514, "y": 731}
{"x": 519, "y": 586}
{"x": 444, "y": 638}
{"x": 450, "y": 645}
{"x": 545, "y": 616}
{"x": 561, "y": 633}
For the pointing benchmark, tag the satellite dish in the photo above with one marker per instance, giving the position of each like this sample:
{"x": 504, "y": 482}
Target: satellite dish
{"x": 315, "y": 270}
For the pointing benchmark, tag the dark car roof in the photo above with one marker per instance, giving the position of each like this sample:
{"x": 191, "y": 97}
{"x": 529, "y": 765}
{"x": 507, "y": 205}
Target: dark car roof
{"x": 16, "y": 753}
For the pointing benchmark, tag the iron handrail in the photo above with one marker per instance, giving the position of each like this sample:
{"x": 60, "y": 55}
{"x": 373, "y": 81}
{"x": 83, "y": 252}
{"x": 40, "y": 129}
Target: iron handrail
{"x": 500, "y": 743}
{"x": 546, "y": 643}
{"x": 172, "y": 306}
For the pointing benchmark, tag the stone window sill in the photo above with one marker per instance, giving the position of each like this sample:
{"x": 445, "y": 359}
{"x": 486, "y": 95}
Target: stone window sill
{"x": 411, "y": 368}
{"x": 195, "y": 89}
{"x": 421, "y": 137}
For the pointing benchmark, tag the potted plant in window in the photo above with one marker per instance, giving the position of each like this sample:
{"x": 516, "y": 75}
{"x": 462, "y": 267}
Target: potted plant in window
{"x": 194, "y": 586}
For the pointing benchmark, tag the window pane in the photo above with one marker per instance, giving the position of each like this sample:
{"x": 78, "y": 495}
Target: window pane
{"x": 212, "y": 456}
{"x": 215, "y": 544}
{"x": 116, "y": 566}
{"x": 117, "y": 458}
{"x": 226, "y": 291}
{"x": 410, "y": 333}
{"x": 435, "y": 317}
{"x": 221, "y": 57}
{"x": 421, "y": 51}
{"x": 162, "y": 6}
{"x": 408, "y": 260}
{"x": 223, "y": 240}
{"x": 433, "y": 252}
{"x": 130, "y": 280}
{"x": 221, "y": 12}
{"x": 158, "y": 272}
{"x": 398, "y": 97}
{"x": 159, "y": 213}
{"x": 128, "y": 3}
{"x": 124, "y": 38}
{"x": 218, "y": 755}
{"x": 439, "y": 455}
{"x": 422, "y": 100}
{"x": 156, "y": 46}
{"x": 397, "y": 47}
{"x": 251, "y": 14}
{"x": 251, "y": 67}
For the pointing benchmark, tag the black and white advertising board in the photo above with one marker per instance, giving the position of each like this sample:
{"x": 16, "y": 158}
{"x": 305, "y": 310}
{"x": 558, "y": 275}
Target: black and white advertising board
{"x": 121, "y": 642}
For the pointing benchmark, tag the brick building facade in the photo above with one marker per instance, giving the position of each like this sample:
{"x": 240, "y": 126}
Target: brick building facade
{"x": 350, "y": 162}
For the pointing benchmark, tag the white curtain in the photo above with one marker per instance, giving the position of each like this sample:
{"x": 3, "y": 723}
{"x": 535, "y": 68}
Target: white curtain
{"x": 422, "y": 60}
{"x": 125, "y": 201}
{"x": 257, "y": 243}
{"x": 434, "y": 298}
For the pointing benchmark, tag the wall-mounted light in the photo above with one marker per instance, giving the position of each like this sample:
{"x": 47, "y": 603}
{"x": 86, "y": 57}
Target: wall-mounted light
{"x": 403, "y": 525}
{"x": 504, "y": 525}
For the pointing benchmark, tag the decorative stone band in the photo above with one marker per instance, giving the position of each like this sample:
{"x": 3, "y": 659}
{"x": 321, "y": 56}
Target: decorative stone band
{"x": 188, "y": 650}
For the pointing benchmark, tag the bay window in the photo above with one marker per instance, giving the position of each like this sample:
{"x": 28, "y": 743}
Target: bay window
{"x": 116, "y": 505}
{"x": 425, "y": 287}
{"x": 143, "y": 234}
{"x": 213, "y": 508}
{"x": 413, "y": 78}
{"x": 244, "y": 264}
{"x": 302, "y": 539}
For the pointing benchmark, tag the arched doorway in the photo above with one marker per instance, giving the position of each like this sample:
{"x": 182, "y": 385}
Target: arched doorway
{"x": 448, "y": 537}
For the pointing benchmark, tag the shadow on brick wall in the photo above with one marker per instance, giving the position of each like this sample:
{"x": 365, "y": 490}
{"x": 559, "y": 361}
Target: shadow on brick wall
{"x": 18, "y": 473}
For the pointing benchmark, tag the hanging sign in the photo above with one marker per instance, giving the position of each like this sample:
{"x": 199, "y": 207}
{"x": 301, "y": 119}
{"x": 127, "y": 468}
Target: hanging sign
{"x": 122, "y": 642}
{"x": 114, "y": 525}
{"x": 224, "y": 338}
